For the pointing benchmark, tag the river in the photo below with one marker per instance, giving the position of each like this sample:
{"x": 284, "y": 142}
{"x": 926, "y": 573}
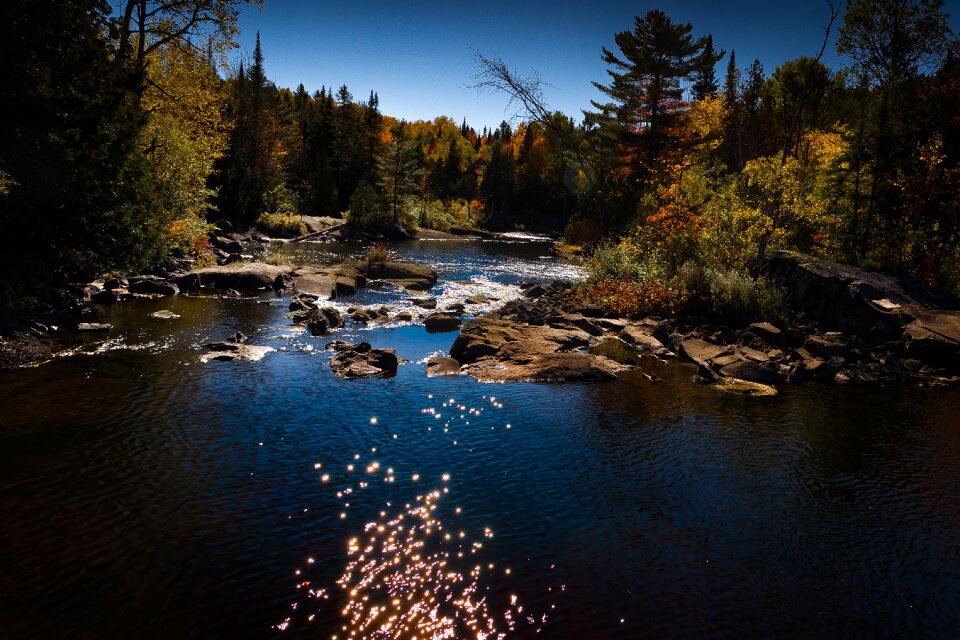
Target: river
{"x": 145, "y": 494}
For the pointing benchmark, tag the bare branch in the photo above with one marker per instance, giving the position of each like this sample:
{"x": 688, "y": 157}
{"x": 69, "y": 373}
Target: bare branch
{"x": 493, "y": 74}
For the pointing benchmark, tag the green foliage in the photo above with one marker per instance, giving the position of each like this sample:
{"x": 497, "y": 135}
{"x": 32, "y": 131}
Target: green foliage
{"x": 80, "y": 197}
{"x": 282, "y": 223}
{"x": 731, "y": 295}
{"x": 366, "y": 210}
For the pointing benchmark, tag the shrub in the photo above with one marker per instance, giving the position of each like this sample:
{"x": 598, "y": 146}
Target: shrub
{"x": 377, "y": 253}
{"x": 282, "y": 223}
{"x": 189, "y": 236}
{"x": 731, "y": 295}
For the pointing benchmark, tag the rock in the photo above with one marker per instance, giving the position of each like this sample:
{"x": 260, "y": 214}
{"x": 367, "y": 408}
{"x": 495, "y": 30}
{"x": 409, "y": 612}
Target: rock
{"x": 701, "y": 352}
{"x": 617, "y": 350}
{"x": 115, "y": 283}
{"x": 441, "y": 322}
{"x": 345, "y": 286}
{"x": 816, "y": 370}
{"x": 364, "y": 316}
{"x": 438, "y": 366}
{"x": 478, "y": 298}
{"x": 424, "y": 303}
{"x": 499, "y": 350}
{"x": 456, "y": 307}
{"x": 555, "y": 367}
{"x": 107, "y": 296}
{"x": 303, "y": 302}
{"x": 92, "y": 327}
{"x": 768, "y": 333}
{"x": 751, "y": 371}
{"x": 164, "y": 315}
{"x": 576, "y": 320}
{"x": 462, "y": 230}
{"x": 934, "y": 337}
{"x": 154, "y": 286}
{"x": 224, "y": 226}
{"x": 611, "y": 324}
{"x": 338, "y": 345}
{"x": 640, "y": 339}
{"x": 20, "y": 349}
{"x": 393, "y": 231}
{"x": 824, "y": 348}
{"x": 410, "y": 276}
{"x": 404, "y": 316}
{"x": 858, "y": 302}
{"x": 534, "y": 291}
{"x": 234, "y": 351}
{"x": 242, "y": 276}
{"x": 855, "y": 376}
{"x": 322, "y": 321}
{"x": 361, "y": 361}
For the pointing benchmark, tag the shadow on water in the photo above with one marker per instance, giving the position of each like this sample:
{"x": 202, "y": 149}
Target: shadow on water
{"x": 146, "y": 495}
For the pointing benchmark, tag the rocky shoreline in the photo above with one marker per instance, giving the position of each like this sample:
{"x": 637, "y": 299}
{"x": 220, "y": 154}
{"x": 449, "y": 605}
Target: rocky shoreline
{"x": 856, "y": 327}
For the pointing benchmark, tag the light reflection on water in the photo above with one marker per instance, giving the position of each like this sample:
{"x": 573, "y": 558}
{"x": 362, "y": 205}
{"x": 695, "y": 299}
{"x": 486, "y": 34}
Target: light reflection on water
{"x": 144, "y": 494}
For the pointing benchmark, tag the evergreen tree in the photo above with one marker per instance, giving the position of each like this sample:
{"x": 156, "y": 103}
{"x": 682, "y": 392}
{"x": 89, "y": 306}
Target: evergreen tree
{"x": 77, "y": 187}
{"x": 704, "y": 75}
{"x": 645, "y": 88}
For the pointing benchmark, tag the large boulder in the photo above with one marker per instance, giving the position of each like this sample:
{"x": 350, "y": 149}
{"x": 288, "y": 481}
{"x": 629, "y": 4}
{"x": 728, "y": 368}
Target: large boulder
{"x": 438, "y": 366}
{"x": 328, "y": 282}
{"x": 934, "y": 338}
{"x": 362, "y": 361}
{"x": 244, "y": 276}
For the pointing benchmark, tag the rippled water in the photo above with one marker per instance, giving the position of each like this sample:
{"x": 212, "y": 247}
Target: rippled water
{"x": 144, "y": 494}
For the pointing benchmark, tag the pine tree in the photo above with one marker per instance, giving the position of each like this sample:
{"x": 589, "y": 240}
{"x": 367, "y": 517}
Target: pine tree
{"x": 705, "y": 78}
{"x": 645, "y": 88}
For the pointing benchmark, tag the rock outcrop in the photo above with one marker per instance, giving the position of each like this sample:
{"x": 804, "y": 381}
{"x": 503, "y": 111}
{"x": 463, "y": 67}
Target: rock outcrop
{"x": 410, "y": 276}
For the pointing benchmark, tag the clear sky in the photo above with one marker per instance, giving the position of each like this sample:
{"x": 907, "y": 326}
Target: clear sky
{"x": 418, "y": 56}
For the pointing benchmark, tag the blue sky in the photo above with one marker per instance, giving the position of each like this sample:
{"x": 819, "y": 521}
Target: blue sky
{"x": 418, "y": 56}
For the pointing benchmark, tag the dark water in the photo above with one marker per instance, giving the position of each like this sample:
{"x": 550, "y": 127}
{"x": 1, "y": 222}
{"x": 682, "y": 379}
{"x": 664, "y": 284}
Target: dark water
{"x": 144, "y": 494}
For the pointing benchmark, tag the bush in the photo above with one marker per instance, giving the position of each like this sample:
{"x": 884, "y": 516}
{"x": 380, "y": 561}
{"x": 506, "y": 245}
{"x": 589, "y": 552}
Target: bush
{"x": 731, "y": 295}
{"x": 189, "y": 235}
{"x": 377, "y": 253}
{"x": 282, "y": 223}
{"x": 582, "y": 230}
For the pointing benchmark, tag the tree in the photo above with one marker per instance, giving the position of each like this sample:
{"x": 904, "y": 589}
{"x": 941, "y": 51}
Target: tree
{"x": 398, "y": 167}
{"x": 892, "y": 43}
{"x": 144, "y": 26}
{"x": 79, "y": 192}
{"x": 645, "y": 88}
{"x": 704, "y": 75}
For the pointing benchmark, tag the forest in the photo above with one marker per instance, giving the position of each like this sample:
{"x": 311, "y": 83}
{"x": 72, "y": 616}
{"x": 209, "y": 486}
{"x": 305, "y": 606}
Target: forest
{"x": 127, "y": 133}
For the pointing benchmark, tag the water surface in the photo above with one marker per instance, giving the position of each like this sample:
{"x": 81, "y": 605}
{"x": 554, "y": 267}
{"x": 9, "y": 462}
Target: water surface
{"x": 147, "y": 495}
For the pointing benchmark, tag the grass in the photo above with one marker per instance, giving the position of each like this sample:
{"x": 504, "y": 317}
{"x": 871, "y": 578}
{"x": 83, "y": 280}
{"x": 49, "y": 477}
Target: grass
{"x": 282, "y": 223}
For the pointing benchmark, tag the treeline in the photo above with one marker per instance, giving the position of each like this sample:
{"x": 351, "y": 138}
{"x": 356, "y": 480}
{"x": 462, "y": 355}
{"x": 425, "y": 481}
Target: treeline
{"x": 126, "y": 134}
{"x": 327, "y": 154}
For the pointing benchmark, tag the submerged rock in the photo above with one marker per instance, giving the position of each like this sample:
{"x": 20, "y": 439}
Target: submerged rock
{"x": 94, "y": 327}
{"x": 164, "y": 315}
{"x": 234, "y": 351}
